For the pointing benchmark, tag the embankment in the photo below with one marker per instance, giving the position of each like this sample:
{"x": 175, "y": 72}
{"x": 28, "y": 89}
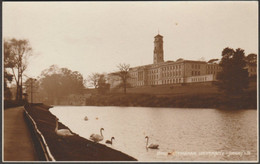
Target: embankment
{"x": 209, "y": 100}
{"x": 74, "y": 148}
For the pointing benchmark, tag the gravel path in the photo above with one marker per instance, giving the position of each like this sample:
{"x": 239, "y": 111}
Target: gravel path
{"x": 18, "y": 144}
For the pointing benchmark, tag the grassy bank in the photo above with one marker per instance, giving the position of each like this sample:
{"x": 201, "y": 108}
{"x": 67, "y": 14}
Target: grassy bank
{"x": 203, "y": 100}
{"x": 74, "y": 148}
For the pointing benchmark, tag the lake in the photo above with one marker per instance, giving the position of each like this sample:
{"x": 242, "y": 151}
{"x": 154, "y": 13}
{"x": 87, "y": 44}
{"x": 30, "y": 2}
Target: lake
{"x": 187, "y": 134}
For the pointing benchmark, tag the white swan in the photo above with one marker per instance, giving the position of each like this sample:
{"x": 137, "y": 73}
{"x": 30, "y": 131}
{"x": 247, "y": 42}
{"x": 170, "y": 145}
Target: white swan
{"x": 151, "y": 146}
{"x": 62, "y": 132}
{"x": 110, "y": 142}
{"x": 97, "y": 137}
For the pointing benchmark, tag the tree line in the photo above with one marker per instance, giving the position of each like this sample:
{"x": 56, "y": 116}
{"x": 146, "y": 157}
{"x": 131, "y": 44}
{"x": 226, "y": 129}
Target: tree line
{"x": 55, "y": 83}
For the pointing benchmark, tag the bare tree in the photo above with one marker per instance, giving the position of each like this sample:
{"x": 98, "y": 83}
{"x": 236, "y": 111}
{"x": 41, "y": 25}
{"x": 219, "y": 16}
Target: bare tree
{"x": 93, "y": 79}
{"x": 17, "y": 53}
{"x": 123, "y": 74}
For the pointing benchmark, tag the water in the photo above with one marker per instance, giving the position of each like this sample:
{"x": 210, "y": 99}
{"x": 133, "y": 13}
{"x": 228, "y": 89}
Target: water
{"x": 191, "y": 134}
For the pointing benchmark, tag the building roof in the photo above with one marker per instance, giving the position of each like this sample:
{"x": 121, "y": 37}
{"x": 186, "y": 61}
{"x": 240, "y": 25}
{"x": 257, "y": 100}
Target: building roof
{"x": 158, "y": 36}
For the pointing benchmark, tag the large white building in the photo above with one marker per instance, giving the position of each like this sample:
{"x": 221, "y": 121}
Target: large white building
{"x": 169, "y": 72}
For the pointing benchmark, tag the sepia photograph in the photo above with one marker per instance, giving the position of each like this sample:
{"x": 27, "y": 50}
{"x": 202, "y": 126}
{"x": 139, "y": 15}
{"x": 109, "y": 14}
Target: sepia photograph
{"x": 130, "y": 81}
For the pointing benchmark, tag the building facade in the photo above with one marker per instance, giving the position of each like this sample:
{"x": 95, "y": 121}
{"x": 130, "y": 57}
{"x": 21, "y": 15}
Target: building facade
{"x": 170, "y": 72}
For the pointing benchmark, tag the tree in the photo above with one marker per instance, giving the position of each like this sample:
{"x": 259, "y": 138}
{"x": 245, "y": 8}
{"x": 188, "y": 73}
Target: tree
{"x": 58, "y": 83}
{"x": 8, "y": 77}
{"x": 93, "y": 79}
{"x": 233, "y": 78}
{"x": 124, "y": 75}
{"x": 16, "y": 55}
{"x": 31, "y": 86}
{"x": 103, "y": 86}
{"x": 251, "y": 59}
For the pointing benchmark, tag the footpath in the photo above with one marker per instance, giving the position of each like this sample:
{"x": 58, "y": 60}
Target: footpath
{"x": 17, "y": 140}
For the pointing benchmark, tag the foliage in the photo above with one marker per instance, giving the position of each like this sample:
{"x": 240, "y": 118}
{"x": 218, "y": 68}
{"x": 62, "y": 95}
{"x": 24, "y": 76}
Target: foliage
{"x": 103, "y": 87}
{"x": 16, "y": 53}
{"x": 251, "y": 59}
{"x": 233, "y": 78}
{"x": 7, "y": 79}
{"x": 123, "y": 73}
{"x": 60, "y": 82}
{"x": 31, "y": 86}
{"x": 93, "y": 79}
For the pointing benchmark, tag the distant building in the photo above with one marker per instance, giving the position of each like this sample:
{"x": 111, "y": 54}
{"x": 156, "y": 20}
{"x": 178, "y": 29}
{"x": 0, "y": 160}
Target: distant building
{"x": 170, "y": 72}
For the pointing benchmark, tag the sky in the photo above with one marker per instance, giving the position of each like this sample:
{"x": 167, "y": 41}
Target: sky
{"x": 94, "y": 37}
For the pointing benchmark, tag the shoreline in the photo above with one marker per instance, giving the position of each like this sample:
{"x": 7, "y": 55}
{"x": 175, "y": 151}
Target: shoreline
{"x": 247, "y": 100}
{"x": 74, "y": 148}
{"x": 151, "y": 107}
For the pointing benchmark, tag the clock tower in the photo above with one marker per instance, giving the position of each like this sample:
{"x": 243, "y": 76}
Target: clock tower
{"x": 158, "y": 49}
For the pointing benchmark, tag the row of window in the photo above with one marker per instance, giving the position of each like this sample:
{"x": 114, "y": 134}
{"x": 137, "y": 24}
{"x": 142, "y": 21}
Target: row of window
{"x": 199, "y": 79}
{"x": 170, "y": 74}
{"x": 153, "y": 83}
{"x": 195, "y": 73}
{"x": 153, "y": 77}
{"x": 195, "y": 66}
{"x": 139, "y": 84}
{"x": 171, "y": 81}
{"x": 153, "y": 71}
{"x": 212, "y": 67}
{"x": 211, "y": 72}
{"x": 171, "y": 67}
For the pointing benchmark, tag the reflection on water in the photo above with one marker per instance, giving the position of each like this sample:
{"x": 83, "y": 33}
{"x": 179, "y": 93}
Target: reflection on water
{"x": 187, "y": 134}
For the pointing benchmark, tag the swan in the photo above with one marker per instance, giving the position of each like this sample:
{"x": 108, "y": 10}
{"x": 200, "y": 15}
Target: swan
{"x": 62, "y": 132}
{"x": 151, "y": 146}
{"x": 97, "y": 137}
{"x": 110, "y": 142}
